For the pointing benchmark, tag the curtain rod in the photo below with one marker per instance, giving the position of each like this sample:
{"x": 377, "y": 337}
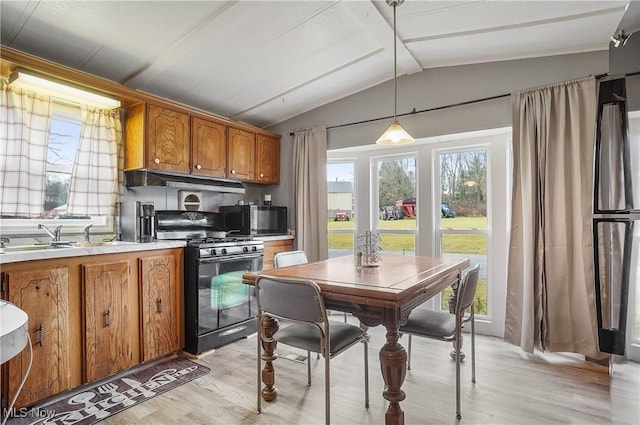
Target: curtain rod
{"x": 437, "y": 108}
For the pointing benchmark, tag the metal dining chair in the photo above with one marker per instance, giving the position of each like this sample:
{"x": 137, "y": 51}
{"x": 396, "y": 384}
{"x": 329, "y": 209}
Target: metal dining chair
{"x": 293, "y": 258}
{"x": 299, "y": 301}
{"x": 289, "y": 258}
{"x": 447, "y": 326}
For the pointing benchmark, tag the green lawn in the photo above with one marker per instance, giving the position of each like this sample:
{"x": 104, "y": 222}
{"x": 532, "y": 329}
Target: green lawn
{"x": 462, "y": 244}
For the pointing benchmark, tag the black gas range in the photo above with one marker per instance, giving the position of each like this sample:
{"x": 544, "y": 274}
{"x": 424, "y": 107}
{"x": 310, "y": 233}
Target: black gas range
{"x": 219, "y": 308}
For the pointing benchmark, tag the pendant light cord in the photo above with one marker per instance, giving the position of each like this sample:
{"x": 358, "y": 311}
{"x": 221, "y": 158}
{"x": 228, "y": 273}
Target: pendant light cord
{"x": 395, "y": 67}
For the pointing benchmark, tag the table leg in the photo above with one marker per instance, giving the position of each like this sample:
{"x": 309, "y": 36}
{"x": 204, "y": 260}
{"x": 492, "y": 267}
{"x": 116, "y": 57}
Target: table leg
{"x": 270, "y": 326}
{"x": 393, "y": 362}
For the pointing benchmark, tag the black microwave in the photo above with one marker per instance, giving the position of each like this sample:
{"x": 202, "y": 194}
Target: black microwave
{"x": 255, "y": 220}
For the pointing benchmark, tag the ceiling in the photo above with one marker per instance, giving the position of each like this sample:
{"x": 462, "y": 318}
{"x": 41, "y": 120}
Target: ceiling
{"x": 263, "y": 62}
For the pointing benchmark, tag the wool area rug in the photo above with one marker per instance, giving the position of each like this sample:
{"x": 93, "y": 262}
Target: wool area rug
{"x": 105, "y": 399}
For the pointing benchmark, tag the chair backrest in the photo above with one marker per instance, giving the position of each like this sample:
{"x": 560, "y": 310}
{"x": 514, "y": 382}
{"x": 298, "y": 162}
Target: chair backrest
{"x": 296, "y": 299}
{"x": 467, "y": 289}
{"x": 289, "y": 258}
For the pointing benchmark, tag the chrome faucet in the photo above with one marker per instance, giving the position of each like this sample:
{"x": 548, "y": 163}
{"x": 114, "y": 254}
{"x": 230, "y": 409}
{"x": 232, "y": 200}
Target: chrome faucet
{"x": 55, "y": 235}
{"x": 86, "y": 232}
{"x": 4, "y": 241}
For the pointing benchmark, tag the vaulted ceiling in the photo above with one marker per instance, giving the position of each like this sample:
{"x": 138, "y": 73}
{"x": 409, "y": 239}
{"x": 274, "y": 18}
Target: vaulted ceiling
{"x": 263, "y": 62}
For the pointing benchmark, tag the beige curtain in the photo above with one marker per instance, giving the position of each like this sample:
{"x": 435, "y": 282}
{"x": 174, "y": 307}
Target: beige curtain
{"x": 25, "y": 123}
{"x": 310, "y": 191}
{"x": 550, "y": 294}
{"x": 93, "y": 189}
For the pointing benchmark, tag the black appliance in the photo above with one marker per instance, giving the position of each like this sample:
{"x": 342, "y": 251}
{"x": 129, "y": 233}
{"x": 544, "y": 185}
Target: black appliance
{"x": 255, "y": 220}
{"x": 616, "y": 208}
{"x": 219, "y": 308}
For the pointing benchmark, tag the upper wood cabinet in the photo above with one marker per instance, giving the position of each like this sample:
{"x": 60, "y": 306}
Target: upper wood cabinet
{"x": 157, "y": 138}
{"x": 44, "y": 295}
{"x": 164, "y": 139}
{"x": 241, "y": 154}
{"x": 267, "y": 159}
{"x": 107, "y": 319}
{"x": 208, "y": 147}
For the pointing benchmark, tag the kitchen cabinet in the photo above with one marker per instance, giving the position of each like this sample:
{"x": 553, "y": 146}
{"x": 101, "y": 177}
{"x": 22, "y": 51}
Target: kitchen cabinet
{"x": 241, "y": 154}
{"x": 107, "y": 318}
{"x": 267, "y": 159}
{"x": 44, "y": 295}
{"x": 271, "y": 248}
{"x": 157, "y": 138}
{"x": 159, "y": 311}
{"x": 208, "y": 147}
{"x": 87, "y": 318}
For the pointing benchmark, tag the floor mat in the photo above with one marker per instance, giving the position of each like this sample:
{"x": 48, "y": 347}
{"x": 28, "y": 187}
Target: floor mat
{"x": 94, "y": 404}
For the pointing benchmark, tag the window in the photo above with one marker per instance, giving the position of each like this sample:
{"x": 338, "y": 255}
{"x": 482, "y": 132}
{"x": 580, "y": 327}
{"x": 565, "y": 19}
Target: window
{"x": 64, "y": 137}
{"x": 62, "y": 147}
{"x": 463, "y": 229}
{"x": 395, "y": 179}
{"x": 341, "y": 208}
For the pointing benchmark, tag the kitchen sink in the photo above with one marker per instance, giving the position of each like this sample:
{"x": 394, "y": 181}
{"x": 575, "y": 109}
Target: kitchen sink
{"x": 28, "y": 248}
{"x": 17, "y": 249}
{"x": 100, "y": 243}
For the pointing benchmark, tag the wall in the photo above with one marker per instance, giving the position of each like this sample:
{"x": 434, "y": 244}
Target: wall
{"x": 429, "y": 89}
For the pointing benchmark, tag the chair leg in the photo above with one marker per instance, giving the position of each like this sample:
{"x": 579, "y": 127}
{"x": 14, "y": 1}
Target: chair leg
{"x": 366, "y": 373}
{"x": 473, "y": 346}
{"x": 309, "y": 367}
{"x": 259, "y": 383}
{"x": 458, "y": 343}
{"x": 409, "y": 354}
{"x": 327, "y": 390}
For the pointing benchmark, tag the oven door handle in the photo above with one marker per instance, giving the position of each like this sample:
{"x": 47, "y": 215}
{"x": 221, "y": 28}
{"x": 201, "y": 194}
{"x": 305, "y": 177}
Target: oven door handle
{"x": 230, "y": 258}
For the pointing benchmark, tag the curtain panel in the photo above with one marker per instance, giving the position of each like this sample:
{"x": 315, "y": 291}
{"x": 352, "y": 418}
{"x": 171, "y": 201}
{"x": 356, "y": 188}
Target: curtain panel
{"x": 310, "y": 191}
{"x": 94, "y": 186}
{"x": 550, "y": 294}
{"x": 25, "y": 123}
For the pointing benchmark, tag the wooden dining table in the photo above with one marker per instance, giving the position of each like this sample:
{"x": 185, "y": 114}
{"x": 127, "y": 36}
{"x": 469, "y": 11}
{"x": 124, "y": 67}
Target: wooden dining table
{"x": 382, "y": 295}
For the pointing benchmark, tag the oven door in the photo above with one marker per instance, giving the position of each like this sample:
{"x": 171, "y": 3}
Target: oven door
{"x": 223, "y": 300}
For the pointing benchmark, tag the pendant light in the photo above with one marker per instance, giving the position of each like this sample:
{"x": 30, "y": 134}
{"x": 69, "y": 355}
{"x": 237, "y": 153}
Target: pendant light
{"x": 395, "y": 134}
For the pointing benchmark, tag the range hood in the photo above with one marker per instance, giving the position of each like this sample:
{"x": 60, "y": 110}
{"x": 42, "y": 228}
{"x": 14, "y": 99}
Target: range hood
{"x": 137, "y": 178}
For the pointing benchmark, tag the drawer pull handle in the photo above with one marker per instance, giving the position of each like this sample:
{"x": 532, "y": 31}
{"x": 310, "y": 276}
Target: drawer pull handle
{"x": 157, "y": 160}
{"x": 159, "y": 304}
{"x": 199, "y": 167}
{"x": 107, "y": 317}
{"x": 233, "y": 171}
{"x": 261, "y": 174}
{"x": 40, "y": 331}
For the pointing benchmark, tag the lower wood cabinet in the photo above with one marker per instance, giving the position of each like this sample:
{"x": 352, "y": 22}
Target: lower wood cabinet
{"x": 107, "y": 318}
{"x": 159, "y": 334}
{"x": 44, "y": 295}
{"x": 271, "y": 248}
{"x": 91, "y": 316}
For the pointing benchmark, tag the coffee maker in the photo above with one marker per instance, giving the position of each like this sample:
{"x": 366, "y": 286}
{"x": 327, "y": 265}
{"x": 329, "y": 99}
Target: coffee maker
{"x": 136, "y": 222}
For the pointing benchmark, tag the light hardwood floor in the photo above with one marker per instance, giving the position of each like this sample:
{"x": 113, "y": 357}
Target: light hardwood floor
{"x": 512, "y": 387}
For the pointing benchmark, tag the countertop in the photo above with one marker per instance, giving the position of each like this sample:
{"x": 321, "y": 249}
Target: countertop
{"x": 76, "y": 251}
{"x": 274, "y": 238}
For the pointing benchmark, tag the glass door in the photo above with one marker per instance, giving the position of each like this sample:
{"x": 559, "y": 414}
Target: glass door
{"x": 463, "y": 230}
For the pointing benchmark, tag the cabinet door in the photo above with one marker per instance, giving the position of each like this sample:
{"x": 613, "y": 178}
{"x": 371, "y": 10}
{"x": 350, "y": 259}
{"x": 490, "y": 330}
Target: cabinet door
{"x": 168, "y": 139}
{"x": 241, "y": 154}
{"x": 44, "y": 296}
{"x": 107, "y": 322}
{"x": 208, "y": 147}
{"x": 159, "y": 312}
{"x": 267, "y": 159}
